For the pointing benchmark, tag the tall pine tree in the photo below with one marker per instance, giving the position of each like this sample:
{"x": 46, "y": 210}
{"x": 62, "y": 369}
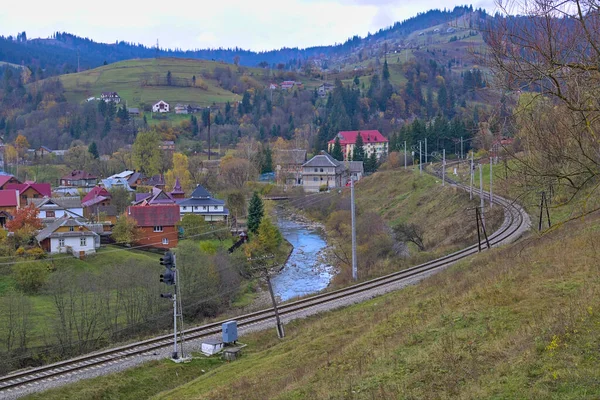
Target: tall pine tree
{"x": 255, "y": 212}
{"x": 358, "y": 154}
{"x": 336, "y": 152}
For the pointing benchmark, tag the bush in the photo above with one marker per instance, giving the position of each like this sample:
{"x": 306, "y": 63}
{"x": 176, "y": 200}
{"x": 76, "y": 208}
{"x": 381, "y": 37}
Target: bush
{"x": 31, "y": 276}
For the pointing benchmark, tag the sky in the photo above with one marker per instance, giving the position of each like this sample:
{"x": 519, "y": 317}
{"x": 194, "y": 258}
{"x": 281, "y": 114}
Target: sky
{"x": 256, "y": 25}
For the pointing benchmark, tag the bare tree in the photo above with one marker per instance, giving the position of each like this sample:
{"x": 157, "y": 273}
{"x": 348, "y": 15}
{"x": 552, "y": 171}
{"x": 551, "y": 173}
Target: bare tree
{"x": 410, "y": 233}
{"x": 551, "y": 51}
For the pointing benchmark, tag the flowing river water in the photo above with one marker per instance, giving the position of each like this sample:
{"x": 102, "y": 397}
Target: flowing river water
{"x": 306, "y": 271}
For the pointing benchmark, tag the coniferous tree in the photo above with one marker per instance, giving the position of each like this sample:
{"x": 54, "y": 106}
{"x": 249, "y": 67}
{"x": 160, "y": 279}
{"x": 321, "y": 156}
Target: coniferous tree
{"x": 267, "y": 165}
{"x": 373, "y": 162}
{"x": 93, "y": 150}
{"x": 255, "y": 212}
{"x": 337, "y": 150}
{"x": 359, "y": 150}
{"x": 386, "y": 71}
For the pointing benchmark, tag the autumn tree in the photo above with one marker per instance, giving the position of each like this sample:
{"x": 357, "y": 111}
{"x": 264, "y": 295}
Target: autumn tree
{"x": 552, "y": 51}
{"x": 125, "y": 230}
{"x": 267, "y": 241}
{"x": 78, "y": 157}
{"x": 235, "y": 172}
{"x": 21, "y": 144}
{"x": 25, "y": 224}
{"x": 180, "y": 170}
{"x": 146, "y": 153}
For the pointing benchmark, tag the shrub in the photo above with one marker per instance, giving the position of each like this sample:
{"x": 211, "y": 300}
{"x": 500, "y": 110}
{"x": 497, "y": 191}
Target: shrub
{"x": 31, "y": 276}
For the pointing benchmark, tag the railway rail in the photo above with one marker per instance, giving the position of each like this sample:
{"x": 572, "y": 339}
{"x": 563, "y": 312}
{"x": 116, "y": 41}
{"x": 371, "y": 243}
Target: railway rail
{"x": 515, "y": 222}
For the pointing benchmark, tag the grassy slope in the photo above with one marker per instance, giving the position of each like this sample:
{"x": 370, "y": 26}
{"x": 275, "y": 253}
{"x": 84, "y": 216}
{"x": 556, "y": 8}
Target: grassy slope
{"x": 124, "y": 78}
{"x": 43, "y": 308}
{"x": 517, "y": 322}
{"x": 405, "y": 197}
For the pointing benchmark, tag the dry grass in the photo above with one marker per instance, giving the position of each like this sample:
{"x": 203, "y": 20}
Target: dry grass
{"x": 517, "y": 322}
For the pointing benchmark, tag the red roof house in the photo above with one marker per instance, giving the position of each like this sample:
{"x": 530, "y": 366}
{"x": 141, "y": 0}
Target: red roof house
{"x": 373, "y": 141}
{"x": 157, "y": 224}
{"x": 9, "y": 203}
{"x": 96, "y": 195}
{"x": 6, "y": 179}
{"x": 79, "y": 178}
{"x": 30, "y": 190}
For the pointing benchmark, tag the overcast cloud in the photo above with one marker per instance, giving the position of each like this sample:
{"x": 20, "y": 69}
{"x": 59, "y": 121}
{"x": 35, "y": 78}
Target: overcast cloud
{"x": 255, "y": 25}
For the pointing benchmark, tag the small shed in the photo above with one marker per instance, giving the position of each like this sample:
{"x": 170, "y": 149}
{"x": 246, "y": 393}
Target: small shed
{"x": 211, "y": 346}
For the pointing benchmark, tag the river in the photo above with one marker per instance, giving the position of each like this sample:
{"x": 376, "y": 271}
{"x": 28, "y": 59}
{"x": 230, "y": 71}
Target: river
{"x": 304, "y": 273}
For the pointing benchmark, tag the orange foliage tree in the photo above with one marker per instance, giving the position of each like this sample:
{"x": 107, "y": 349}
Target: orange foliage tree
{"x": 25, "y": 224}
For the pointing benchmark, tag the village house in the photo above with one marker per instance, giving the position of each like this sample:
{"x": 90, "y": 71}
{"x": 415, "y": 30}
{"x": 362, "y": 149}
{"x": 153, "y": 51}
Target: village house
{"x": 324, "y": 89}
{"x": 167, "y": 145}
{"x": 202, "y": 203}
{"x": 323, "y": 172}
{"x": 79, "y": 178}
{"x": 113, "y": 183}
{"x": 161, "y": 107}
{"x": 288, "y": 166}
{"x": 110, "y": 96}
{"x": 287, "y": 85}
{"x": 52, "y": 208}
{"x": 31, "y": 190}
{"x": 6, "y": 180}
{"x": 133, "y": 111}
{"x": 42, "y": 151}
{"x": 97, "y": 206}
{"x": 157, "y": 224}
{"x": 68, "y": 235}
{"x": 9, "y": 204}
{"x": 182, "y": 109}
{"x": 373, "y": 141}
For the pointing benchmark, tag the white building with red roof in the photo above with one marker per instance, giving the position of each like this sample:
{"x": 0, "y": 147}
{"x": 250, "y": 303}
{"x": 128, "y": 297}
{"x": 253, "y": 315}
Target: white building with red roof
{"x": 373, "y": 141}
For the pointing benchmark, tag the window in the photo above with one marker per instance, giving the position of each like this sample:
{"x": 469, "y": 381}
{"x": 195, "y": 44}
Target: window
{"x": 215, "y": 208}
{"x": 82, "y": 242}
{"x": 61, "y": 242}
{"x": 316, "y": 169}
{"x": 315, "y": 179}
{"x": 71, "y": 228}
{"x": 321, "y": 178}
{"x": 158, "y": 228}
{"x": 165, "y": 241}
{"x": 195, "y": 207}
{"x": 321, "y": 170}
{"x": 49, "y": 214}
{"x": 184, "y": 208}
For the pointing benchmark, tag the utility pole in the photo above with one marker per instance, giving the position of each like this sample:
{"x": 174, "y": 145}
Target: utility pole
{"x": 491, "y": 175}
{"x": 405, "y": 154}
{"x": 352, "y": 210}
{"x": 481, "y": 194}
{"x": 280, "y": 331}
{"x": 425, "y": 151}
{"x": 208, "y": 119}
{"x": 420, "y": 159}
{"x": 471, "y": 172}
{"x": 444, "y": 167}
{"x": 461, "y": 149}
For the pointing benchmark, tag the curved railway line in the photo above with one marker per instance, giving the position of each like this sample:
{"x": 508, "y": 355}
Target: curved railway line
{"x": 515, "y": 223}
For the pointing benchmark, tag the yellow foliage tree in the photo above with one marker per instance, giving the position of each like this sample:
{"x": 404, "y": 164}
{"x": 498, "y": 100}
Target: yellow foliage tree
{"x": 11, "y": 154}
{"x": 21, "y": 144}
{"x": 180, "y": 170}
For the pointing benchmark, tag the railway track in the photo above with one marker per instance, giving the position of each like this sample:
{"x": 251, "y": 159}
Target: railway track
{"x": 515, "y": 221}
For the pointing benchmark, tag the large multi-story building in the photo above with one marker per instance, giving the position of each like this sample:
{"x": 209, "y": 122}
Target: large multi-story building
{"x": 373, "y": 141}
